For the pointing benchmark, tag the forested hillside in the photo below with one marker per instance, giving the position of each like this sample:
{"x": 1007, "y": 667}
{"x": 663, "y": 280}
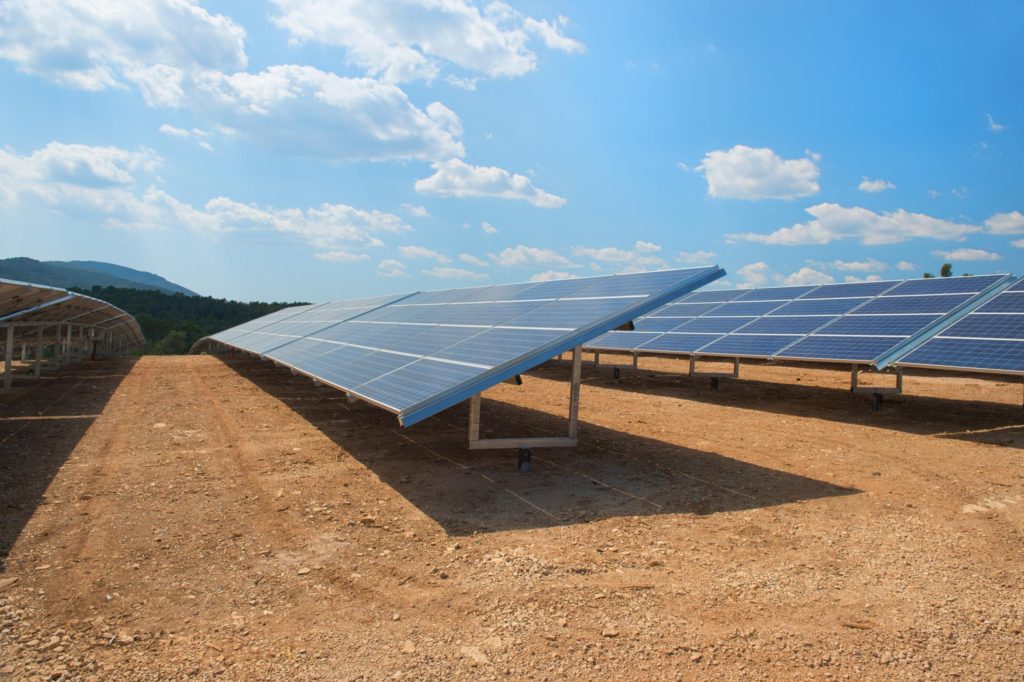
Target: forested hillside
{"x": 173, "y": 322}
{"x": 84, "y": 274}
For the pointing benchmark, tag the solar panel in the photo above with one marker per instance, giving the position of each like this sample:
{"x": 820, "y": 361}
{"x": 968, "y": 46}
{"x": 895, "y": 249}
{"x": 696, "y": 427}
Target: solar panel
{"x": 861, "y": 322}
{"x": 418, "y": 354}
{"x": 989, "y": 338}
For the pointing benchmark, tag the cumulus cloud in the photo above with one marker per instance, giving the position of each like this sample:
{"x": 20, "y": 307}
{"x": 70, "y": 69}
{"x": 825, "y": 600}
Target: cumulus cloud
{"x": 756, "y": 275}
{"x": 551, "y": 275}
{"x": 470, "y": 259}
{"x": 456, "y": 178}
{"x": 640, "y": 257}
{"x": 853, "y": 279}
{"x": 100, "y": 44}
{"x": 695, "y": 257}
{"x": 390, "y": 267}
{"x": 906, "y": 266}
{"x": 341, "y": 256}
{"x": 488, "y": 228}
{"x": 758, "y": 173}
{"x": 302, "y": 110}
{"x": 869, "y": 265}
{"x": 529, "y": 255}
{"x": 833, "y": 222}
{"x": 874, "y": 186}
{"x": 416, "y": 211}
{"x": 423, "y": 252}
{"x": 453, "y": 273}
{"x": 168, "y": 129}
{"x": 1006, "y": 223}
{"x": 399, "y": 41}
{"x": 108, "y": 186}
{"x": 967, "y": 254}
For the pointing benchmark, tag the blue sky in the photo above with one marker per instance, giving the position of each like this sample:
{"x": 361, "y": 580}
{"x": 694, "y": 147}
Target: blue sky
{"x": 288, "y": 150}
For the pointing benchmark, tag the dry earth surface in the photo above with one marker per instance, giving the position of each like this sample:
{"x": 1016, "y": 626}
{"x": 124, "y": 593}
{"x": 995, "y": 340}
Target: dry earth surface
{"x": 196, "y": 517}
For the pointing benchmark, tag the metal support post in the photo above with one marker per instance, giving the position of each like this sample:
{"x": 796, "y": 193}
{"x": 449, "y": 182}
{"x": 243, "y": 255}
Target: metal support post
{"x": 9, "y": 359}
{"x": 37, "y": 367}
{"x": 524, "y": 445}
{"x": 597, "y": 358}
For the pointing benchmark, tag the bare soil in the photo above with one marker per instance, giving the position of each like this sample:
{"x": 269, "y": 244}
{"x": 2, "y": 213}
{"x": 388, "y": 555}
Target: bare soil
{"x": 196, "y": 517}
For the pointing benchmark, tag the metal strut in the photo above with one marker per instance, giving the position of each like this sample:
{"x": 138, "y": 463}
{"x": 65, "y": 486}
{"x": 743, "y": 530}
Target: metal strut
{"x": 878, "y": 392}
{"x": 525, "y": 445}
{"x": 715, "y": 376}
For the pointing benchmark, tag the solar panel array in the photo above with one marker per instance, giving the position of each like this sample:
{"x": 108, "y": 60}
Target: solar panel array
{"x": 990, "y": 338}
{"x": 862, "y": 322}
{"x": 417, "y": 354}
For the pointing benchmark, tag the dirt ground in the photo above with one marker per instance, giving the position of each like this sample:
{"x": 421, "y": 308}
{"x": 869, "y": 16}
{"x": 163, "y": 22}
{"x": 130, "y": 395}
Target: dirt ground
{"x": 196, "y": 517}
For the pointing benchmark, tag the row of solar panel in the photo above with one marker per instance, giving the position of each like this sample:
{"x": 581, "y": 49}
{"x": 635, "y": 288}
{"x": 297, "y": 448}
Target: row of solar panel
{"x": 402, "y": 352}
{"x": 866, "y": 322}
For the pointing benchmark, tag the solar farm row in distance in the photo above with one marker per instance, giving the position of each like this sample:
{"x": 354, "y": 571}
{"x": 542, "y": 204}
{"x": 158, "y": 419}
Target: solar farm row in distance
{"x": 416, "y": 354}
{"x": 863, "y": 322}
{"x": 990, "y": 338}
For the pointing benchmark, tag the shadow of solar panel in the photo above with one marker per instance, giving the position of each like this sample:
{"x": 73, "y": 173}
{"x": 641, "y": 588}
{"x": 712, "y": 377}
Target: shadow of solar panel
{"x": 752, "y": 345}
{"x": 677, "y": 343}
{"x": 841, "y": 348}
{"x": 879, "y": 325}
{"x": 975, "y": 354}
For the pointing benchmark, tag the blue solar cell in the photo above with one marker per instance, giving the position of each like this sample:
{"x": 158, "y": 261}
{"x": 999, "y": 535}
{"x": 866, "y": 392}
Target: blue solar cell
{"x": 862, "y": 289}
{"x": 568, "y": 313}
{"x": 749, "y": 345}
{"x": 841, "y": 348}
{"x": 946, "y": 285}
{"x": 987, "y": 325}
{"x": 415, "y": 382}
{"x": 430, "y": 340}
{"x": 498, "y": 292}
{"x": 631, "y": 285}
{"x": 1018, "y": 286}
{"x": 495, "y": 347}
{"x": 1004, "y": 356}
{"x": 879, "y": 325}
{"x": 351, "y": 367}
{"x": 775, "y": 293}
{"x": 678, "y": 343}
{"x": 1009, "y": 301}
{"x": 620, "y": 340}
{"x": 715, "y": 296}
{"x": 773, "y": 324}
{"x": 684, "y": 309}
{"x": 901, "y": 305}
{"x": 824, "y": 306}
{"x": 555, "y": 289}
{"x": 753, "y": 309}
{"x": 658, "y": 324}
{"x": 713, "y": 324}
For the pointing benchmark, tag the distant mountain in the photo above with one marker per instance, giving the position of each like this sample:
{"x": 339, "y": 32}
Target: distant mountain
{"x": 85, "y": 274}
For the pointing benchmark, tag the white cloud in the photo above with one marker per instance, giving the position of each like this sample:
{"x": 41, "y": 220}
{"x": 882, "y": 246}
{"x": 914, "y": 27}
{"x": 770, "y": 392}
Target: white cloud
{"x": 748, "y": 173}
{"x": 640, "y": 257}
{"x": 833, "y": 222}
{"x": 967, "y": 254}
{"x": 470, "y": 259}
{"x": 399, "y": 41}
{"x": 1019, "y": 243}
{"x": 390, "y": 267}
{"x": 869, "y": 265}
{"x": 756, "y": 275}
{"x": 874, "y": 186}
{"x": 95, "y": 45}
{"x": 168, "y": 129}
{"x": 527, "y": 255}
{"x": 488, "y": 228}
{"x": 551, "y": 275}
{"x": 804, "y": 276}
{"x": 423, "y": 252}
{"x": 107, "y": 186}
{"x": 993, "y": 126}
{"x": 342, "y": 256}
{"x": 453, "y": 273}
{"x": 303, "y": 111}
{"x": 852, "y": 279}
{"x": 906, "y": 266}
{"x": 455, "y": 178}
{"x": 416, "y": 211}
{"x": 1006, "y": 223}
{"x": 695, "y": 257}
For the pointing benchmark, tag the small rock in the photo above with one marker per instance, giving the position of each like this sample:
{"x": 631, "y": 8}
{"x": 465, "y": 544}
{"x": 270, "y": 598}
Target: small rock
{"x": 610, "y": 631}
{"x": 408, "y": 647}
{"x": 475, "y": 655}
{"x": 696, "y": 658}
{"x": 303, "y": 571}
{"x": 7, "y": 582}
{"x": 396, "y": 617}
{"x": 124, "y": 637}
{"x": 159, "y": 425}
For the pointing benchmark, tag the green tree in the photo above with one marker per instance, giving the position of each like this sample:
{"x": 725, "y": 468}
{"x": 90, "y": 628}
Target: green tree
{"x": 928, "y": 275}
{"x": 946, "y": 270}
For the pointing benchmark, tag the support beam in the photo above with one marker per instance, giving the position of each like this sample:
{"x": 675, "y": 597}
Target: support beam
{"x": 37, "y": 367}
{"x": 9, "y": 359}
{"x": 524, "y": 444}
{"x": 715, "y": 376}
